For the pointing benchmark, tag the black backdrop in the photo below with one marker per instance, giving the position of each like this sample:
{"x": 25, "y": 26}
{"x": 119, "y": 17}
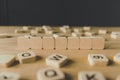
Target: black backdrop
{"x": 60, "y": 12}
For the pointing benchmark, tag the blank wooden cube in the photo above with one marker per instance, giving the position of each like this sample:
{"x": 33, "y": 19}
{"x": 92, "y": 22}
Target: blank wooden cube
{"x": 89, "y": 33}
{"x": 85, "y": 43}
{"x": 102, "y": 31}
{"x": 73, "y": 34}
{"x": 56, "y": 60}
{"x": 117, "y": 58}
{"x": 50, "y": 74}
{"x": 9, "y": 76}
{"x": 26, "y": 57}
{"x": 98, "y": 42}
{"x": 60, "y": 42}
{"x": 29, "y": 42}
{"x": 97, "y": 60}
{"x": 48, "y": 43}
{"x": 73, "y": 43}
{"x": 115, "y": 35}
{"x": 90, "y": 75}
{"x": 17, "y": 31}
{"x": 86, "y": 28}
{"x": 7, "y": 60}
{"x": 36, "y": 42}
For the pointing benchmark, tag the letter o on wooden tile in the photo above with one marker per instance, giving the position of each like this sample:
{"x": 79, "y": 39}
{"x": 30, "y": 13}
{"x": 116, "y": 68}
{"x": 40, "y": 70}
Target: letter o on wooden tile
{"x": 26, "y": 57}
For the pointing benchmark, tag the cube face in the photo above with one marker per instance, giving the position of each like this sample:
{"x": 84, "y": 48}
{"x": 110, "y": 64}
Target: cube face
{"x": 56, "y": 60}
{"x": 97, "y": 60}
{"x": 98, "y": 43}
{"x": 90, "y": 75}
{"x": 7, "y": 60}
{"x": 102, "y": 31}
{"x": 48, "y": 43}
{"x": 60, "y": 42}
{"x": 85, "y": 43}
{"x": 117, "y": 58}
{"x": 86, "y": 28}
{"x": 73, "y": 43}
{"x": 36, "y": 43}
{"x": 9, "y": 76}
{"x": 23, "y": 43}
{"x": 50, "y": 74}
{"x": 26, "y": 57}
{"x": 29, "y": 42}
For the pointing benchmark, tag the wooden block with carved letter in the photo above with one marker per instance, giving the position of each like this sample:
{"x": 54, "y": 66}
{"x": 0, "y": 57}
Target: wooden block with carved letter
{"x": 26, "y": 57}
{"x": 56, "y": 60}
{"x": 50, "y": 74}
{"x": 90, "y": 75}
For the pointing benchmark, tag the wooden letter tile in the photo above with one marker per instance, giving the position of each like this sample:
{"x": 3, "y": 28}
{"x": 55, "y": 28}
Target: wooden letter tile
{"x": 90, "y": 75}
{"x": 56, "y": 60}
{"x": 50, "y": 74}
{"x": 7, "y": 60}
{"x": 9, "y": 76}
{"x": 117, "y": 58}
{"x": 97, "y": 60}
{"x": 26, "y": 57}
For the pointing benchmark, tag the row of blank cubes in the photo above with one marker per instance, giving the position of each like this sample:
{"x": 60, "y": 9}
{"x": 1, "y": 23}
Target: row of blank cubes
{"x": 60, "y": 42}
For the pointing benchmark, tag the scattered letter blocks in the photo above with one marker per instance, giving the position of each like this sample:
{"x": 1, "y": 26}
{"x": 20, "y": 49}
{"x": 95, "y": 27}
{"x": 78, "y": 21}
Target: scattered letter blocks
{"x": 7, "y": 60}
{"x": 90, "y": 75}
{"x": 56, "y": 60}
{"x": 85, "y": 43}
{"x": 50, "y": 74}
{"x": 48, "y": 43}
{"x": 73, "y": 42}
{"x": 9, "y": 76}
{"x": 26, "y": 57}
{"x": 98, "y": 43}
{"x": 97, "y": 60}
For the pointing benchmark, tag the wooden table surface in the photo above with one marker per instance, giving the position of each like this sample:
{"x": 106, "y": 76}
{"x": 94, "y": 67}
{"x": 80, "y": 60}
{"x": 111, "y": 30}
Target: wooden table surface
{"x": 78, "y": 58}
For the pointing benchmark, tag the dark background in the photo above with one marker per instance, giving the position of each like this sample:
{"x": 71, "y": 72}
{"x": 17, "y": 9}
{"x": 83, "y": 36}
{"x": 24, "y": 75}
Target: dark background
{"x": 60, "y": 12}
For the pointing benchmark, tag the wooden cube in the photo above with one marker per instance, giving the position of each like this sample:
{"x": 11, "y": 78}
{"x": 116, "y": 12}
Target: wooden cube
{"x": 56, "y": 60}
{"x": 36, "y": 42}
{"x": 86, "y": 28}
{"x": 50, "y": 74}
{"x": 117, "y": 58}
{"x": 9, "y": 76}
{"x": 89, "y": 33}
{"x": 60, "y": 42}
{"x": 29, "y": 42}
{"x": 26, "y": 57}
{"x": 48, "y": 42}
{"x": 97, "y": 60}
{"x": 90, "y": 75}
{"x": 102, "y": 31}
{"x": 73, "y": 43}
{"x": 85, "y": 43}
{"x": 118, "y": 78}
{"x": 7, "y": 60}
{"x": 98, "y": 42}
